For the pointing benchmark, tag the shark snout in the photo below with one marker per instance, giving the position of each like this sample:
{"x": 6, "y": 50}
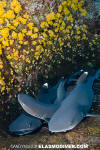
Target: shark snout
{"x": 60, "y": 127}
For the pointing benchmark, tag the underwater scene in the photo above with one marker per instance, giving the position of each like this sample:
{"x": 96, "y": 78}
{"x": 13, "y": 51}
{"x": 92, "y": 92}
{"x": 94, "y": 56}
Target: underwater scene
{"x": 49, "y": 74}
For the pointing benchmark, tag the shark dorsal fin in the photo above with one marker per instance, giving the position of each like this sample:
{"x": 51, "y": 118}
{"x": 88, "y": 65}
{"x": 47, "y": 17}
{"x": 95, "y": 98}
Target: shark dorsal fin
{"x": 45, "y": 85}
{"x": 82, "y": 78}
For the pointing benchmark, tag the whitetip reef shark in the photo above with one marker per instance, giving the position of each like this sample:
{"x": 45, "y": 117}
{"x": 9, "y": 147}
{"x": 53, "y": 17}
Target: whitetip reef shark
{"x": 27, "y": 122}
{"x": 39, "y": 109}
{"x": 76, "y": 106}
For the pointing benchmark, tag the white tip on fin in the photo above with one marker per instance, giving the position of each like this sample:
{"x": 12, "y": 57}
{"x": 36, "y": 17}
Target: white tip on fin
{"x": 45, "y": 85}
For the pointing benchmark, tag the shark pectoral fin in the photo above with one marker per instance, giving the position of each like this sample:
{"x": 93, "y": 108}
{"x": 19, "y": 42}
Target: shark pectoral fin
{"x": 92, "y": 115}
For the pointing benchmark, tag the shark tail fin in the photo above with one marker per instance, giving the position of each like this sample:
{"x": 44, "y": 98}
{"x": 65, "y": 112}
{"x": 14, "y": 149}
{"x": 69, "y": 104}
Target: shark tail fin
{"x": 82, "y": 78}
{"x": 92, "y": 115}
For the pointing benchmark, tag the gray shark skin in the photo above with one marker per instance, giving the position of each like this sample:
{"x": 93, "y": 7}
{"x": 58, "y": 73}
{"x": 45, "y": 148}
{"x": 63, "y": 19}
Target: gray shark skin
{"x": 48, "y": 95}
{"x": 36, "y": 108}
{"x": 58, "y": 92}
{"x": 24, "y": 124}
{"x": 82, "y": 78}
{"x": 92, "y": 115}
{"x": 39, "y": 109}
{"x": 61, "y": 92}
{"x": 21, "y": 125}
{"x": 73, "y": 78}
{"x": 43, "y": 94}
{"x": 75, "y": 107}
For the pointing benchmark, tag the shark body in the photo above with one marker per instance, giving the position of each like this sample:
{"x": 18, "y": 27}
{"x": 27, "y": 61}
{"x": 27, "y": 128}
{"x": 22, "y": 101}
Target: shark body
{"x": 75, "y": 107}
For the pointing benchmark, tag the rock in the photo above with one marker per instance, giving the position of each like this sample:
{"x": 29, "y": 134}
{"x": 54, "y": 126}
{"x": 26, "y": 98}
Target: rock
{"x": 87, "y": 132}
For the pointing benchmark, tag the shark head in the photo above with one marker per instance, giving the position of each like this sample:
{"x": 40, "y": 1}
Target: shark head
{"x": 65, "y": 122}
{"x": 24, "y": 123}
